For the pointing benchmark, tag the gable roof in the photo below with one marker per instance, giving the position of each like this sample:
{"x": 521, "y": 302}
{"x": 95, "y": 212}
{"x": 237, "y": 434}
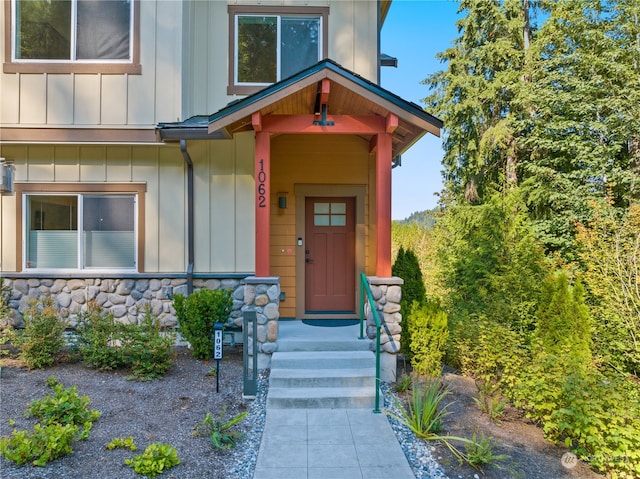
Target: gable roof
{"x": 350, "y": 94}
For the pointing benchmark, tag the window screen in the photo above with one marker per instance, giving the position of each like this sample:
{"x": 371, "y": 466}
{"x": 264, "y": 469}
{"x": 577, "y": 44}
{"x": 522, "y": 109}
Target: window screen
{"x": 73, "y": 30}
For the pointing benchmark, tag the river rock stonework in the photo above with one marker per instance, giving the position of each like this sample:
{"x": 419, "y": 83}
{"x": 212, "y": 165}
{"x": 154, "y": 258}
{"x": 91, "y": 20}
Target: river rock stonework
{"x": 262, "y": 295}
{"x": 387, "y": 293}
{"x": 126, "y": 299}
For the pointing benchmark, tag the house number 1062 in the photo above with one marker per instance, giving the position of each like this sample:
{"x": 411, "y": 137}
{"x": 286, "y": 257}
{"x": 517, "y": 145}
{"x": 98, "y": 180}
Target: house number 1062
{"x": 262, "y": 189}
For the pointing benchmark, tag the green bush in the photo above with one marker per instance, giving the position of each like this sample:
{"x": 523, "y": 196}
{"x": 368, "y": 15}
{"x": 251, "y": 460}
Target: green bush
{"x": 564, "y": 324}
{"x": 148, "y": 349}
{"x": 489, "y": 351}
{"x": 197, "y": 314}
{"x": 42, "y": 340}
{"x": 100, "y": 339}
{"x": 609, "y": 251}
{"x": 407, "y": 267}
{"x": 7, "y": 333}
{"x": 5, "y": 297}
{"x": 107, "y": 344}
{"x": 39, "y": 446}
{"x": 155, "y": 459}
{"x": 428, "y": 332}
{"x": 66, "y": 419}
{"x": 64, "y": 406}
{"x": 596, "y": 415}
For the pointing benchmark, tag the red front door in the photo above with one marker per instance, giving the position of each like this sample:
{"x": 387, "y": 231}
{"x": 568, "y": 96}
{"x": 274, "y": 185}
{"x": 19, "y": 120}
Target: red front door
{"x": 330, "y": 255}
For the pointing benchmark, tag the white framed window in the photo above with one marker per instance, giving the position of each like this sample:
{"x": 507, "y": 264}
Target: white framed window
{"x": 80, "y": 231}
{"x": 272, "y": 44}
{"x": 74, "y": 36}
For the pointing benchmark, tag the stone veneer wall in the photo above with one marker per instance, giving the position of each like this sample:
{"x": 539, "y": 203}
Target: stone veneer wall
{"x": 387, "y": 293}
{"x": 263, "y": 296}
{"x": 126, "y": 299}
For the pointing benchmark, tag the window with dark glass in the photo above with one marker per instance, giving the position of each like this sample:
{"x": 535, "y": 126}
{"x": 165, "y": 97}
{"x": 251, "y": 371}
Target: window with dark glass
{"x": 269, "y": 48}
{"x": 73, "y": 30}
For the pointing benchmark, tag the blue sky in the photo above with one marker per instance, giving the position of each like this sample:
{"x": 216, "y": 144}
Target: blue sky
{"x": 414, "y": 31}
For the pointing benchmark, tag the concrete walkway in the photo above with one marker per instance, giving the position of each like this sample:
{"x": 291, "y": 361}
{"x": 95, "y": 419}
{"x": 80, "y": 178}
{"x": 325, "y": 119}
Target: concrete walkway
{"x": 329, "y": 444}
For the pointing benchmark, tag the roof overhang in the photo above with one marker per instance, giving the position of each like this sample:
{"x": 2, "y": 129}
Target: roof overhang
{"x": 323, "y": 91}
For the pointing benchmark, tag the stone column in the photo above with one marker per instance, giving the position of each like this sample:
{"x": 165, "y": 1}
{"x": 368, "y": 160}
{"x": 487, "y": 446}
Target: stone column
{"x": 263, "y": 294}
{"x": 387, "y": 293}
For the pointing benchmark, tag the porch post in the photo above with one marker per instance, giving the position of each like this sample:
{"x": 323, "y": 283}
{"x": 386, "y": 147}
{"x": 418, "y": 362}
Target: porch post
{"x": 262, "y": 198}
{"x": 383, "y": 205}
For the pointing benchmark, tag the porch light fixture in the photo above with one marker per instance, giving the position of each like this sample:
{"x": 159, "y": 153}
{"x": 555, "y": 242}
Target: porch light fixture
{"x": 282, "y": 201}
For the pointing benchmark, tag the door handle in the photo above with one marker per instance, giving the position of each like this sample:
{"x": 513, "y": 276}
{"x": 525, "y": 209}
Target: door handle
{"x": 308, "y": 260}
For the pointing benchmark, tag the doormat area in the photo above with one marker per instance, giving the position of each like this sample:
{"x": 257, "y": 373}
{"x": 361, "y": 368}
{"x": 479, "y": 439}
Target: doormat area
{"x": 330, "y": 323}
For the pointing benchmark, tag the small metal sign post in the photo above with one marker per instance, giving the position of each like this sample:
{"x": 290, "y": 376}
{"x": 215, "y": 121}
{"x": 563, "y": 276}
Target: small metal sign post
{"x": 217, "y": 351}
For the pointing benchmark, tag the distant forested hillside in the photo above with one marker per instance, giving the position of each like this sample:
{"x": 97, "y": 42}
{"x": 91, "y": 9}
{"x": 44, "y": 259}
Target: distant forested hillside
{"x": 425, "y": 219}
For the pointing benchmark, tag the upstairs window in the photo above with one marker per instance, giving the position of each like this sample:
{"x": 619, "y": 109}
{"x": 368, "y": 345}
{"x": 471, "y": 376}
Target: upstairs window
{"x": 80, "y": 36}
{"x": 273, "y": 44}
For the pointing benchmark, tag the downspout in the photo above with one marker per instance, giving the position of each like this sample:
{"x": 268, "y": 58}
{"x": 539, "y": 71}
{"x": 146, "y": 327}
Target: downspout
{"x": 190, "y": 229}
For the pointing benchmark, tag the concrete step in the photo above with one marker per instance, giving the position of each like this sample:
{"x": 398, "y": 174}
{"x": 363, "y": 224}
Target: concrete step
{"x": 311, "y": 344}
{"x": 321, "y": 378}
{"x": 317, "y": 360}
{"x": 310, "y": 398}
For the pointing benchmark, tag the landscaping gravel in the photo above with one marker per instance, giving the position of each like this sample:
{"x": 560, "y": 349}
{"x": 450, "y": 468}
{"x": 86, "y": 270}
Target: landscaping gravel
{"x": 163, "y": 410}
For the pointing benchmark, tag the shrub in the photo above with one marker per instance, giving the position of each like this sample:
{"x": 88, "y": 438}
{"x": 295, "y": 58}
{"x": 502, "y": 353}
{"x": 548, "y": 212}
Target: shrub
{"x": 107, "y": 344}
{"x": 428, "y": 332}
{"x": 491, "y": 352}
{"x": 66, "y": 419}
{"x": 148, "y": 349}
{"x": 407, "y": 267}
{"x": 594, "y": 414}
{"x": 39, "y": 446}
{"x": 610, "y": 247}
{"x": 563, "y": 320}
{"x": 155, "y": 459}
{"x": 100, "y": 339}
{"x": 42, "y": 340}
{"x": 64, "y": 406}
{"x": 5, "y": 297}
{"x": 196, "y": 315}
{"x": 122, "y": 442}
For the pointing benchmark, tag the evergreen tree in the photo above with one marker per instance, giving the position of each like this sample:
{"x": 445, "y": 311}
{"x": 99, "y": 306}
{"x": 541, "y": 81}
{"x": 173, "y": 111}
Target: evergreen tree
{"x": 474, "y": 96}
{"x": 564, "y": 326}
{"x": 407, "y": 267}
{"x": 584, "y": 94}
